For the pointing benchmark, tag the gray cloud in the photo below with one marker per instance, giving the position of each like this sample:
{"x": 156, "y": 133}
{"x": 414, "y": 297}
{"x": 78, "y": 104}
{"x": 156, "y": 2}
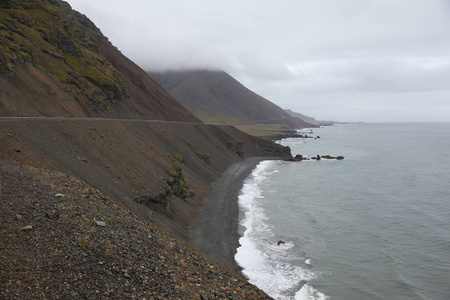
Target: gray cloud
{"x": 374, "y": 60}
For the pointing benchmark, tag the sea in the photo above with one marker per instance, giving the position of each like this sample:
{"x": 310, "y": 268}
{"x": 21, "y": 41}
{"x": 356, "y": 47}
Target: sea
{"x": 375, "y": 225}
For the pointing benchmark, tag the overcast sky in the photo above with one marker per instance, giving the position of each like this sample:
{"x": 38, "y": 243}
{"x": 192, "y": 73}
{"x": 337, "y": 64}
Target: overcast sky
{"x": 347, "y": 60}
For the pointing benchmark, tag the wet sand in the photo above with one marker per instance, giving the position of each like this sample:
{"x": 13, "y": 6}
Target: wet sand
{"x": 215, "y": 231}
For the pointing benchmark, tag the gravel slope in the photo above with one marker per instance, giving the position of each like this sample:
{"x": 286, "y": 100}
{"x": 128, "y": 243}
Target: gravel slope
{"x": 83, "y": 245}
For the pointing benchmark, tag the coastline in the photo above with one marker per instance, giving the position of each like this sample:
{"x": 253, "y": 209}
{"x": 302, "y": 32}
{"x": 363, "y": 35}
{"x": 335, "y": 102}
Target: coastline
{"x": 215, "y": 231}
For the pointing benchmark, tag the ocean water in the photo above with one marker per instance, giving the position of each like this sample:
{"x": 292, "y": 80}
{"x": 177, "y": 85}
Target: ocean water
{"x": 375, "y": 225}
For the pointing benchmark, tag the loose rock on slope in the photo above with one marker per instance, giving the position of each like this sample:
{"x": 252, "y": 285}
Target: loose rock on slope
{"x": 71, "y": 256}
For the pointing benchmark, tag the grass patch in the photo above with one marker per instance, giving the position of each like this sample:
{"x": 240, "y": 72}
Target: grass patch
{"x": 263, "y": 130}
{"x": 82, "y": 242}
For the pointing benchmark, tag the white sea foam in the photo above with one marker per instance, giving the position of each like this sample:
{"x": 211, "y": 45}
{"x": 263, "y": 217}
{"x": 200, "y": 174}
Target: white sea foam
{"x": 307, "y": 292}
{"x": 266, "y": 264}
{"x": 363, "y": 221}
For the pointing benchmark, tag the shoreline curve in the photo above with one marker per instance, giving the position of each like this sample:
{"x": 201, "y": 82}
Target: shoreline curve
{"x": 215, "y": 230}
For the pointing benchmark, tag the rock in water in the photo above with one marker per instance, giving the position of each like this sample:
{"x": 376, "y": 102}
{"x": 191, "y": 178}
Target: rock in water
{"x": 298, "y": 157}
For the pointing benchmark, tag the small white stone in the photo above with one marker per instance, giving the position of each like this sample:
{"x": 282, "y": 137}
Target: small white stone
{"x": 27, "y": 228}
{"x": 101, "y": 223}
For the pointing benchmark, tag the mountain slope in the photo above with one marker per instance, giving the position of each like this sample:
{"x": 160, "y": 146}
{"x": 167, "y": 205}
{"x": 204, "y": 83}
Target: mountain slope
{"x": 216, "y": 97}
{"x": 131, "y": 139}
{"x": 310, "y": 120}
{"x": 55, "y": 62}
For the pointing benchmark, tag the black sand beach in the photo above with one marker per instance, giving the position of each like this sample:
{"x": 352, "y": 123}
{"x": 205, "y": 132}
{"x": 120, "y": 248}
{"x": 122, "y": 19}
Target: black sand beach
{"x": 215, "y": 231}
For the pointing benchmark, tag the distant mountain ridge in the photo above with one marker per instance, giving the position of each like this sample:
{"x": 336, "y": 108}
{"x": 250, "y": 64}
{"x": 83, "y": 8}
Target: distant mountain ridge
{"x": 310, "y": 120}
{"x": 216, "y": 97}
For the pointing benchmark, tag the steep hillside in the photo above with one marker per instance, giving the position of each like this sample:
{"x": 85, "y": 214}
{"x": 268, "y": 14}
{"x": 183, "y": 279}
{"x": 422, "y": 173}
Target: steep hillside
{"x": 125, "y": 135}
{"x": 55, "y": 62}
{"x": 149, "y": 167}
{"x": 216, "y": 97}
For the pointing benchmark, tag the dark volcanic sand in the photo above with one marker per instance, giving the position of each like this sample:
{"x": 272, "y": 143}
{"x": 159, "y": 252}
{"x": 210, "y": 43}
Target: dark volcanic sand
{"x": 215, "y": 231}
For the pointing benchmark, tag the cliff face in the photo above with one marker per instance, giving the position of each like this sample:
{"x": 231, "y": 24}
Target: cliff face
{"x": 55, "y": 61}
{"x": 216, "y": 97}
